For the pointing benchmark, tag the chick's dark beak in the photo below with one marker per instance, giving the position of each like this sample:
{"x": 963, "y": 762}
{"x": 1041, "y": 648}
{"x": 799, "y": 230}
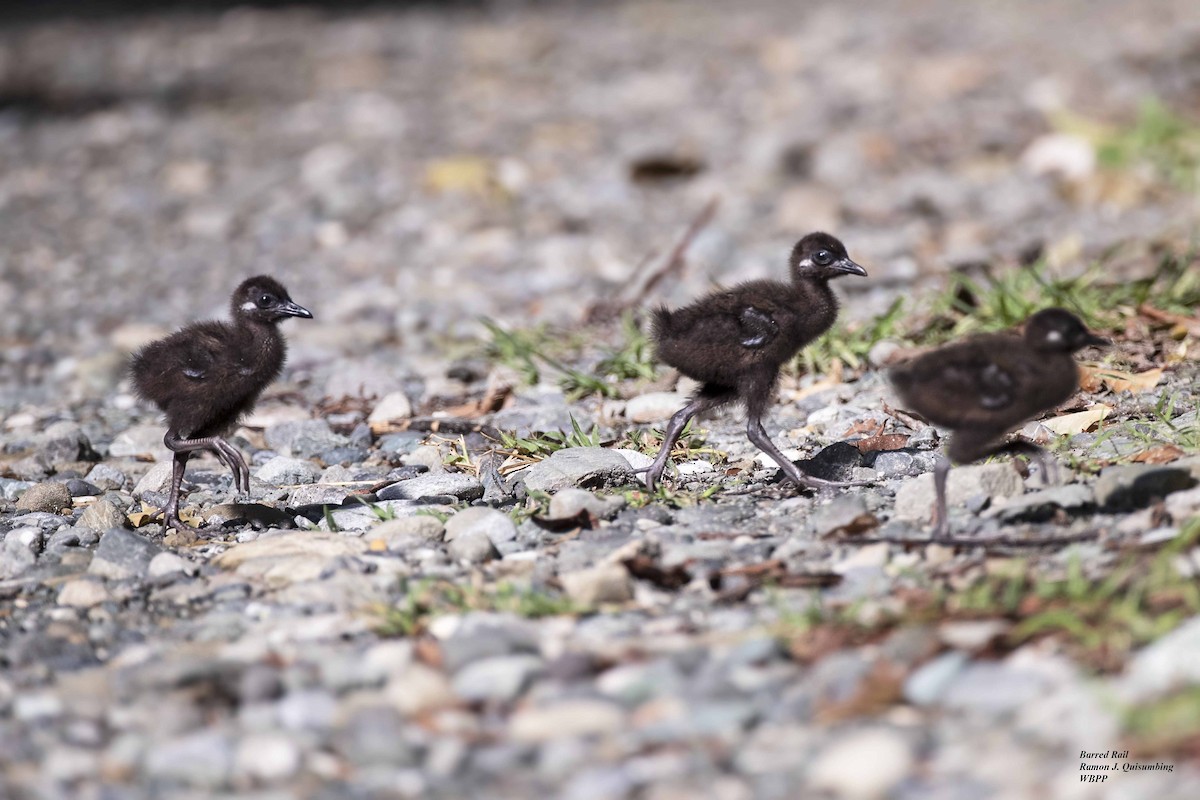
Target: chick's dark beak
{"x": 1098, "y": 341}
{"x": 848, "y": 267}
{"x": 293, "y": 310}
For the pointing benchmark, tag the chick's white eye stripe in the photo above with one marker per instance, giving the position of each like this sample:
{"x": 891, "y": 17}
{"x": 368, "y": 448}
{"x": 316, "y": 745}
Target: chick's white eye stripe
{"x": 806, "y": 262}
{"x": 249, "y": 306}
{"x": 1054, "y": 336}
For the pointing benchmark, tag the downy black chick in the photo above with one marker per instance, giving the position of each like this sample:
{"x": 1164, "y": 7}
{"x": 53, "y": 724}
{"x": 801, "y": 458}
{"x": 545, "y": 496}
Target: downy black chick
{"x": 735, "y": 341}
{"x": 983, "y": 387}
{"x": 205, "y": 376}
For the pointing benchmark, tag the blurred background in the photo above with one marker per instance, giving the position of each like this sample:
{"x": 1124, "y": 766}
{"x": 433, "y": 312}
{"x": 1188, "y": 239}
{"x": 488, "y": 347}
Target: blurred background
{"x": 407, "y": 168}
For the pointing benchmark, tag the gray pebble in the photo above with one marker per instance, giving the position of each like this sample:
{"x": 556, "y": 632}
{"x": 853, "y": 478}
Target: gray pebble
{"x": 123, "y": 554}
{"x": 285, "y": 471}
{"x": 102, "y": 515}
{"x": 106, "y": 477}
{"x": 472, "y": 547}
{"x": 437, "y": 485}
{"x": 49, "y": 497}
{"x": 586, "y": 467}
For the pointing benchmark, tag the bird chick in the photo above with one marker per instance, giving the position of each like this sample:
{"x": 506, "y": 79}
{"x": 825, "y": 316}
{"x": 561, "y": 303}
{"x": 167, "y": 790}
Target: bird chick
{"x": 734, "y": 343}
{"x": 205, "y": 376}
{"x": 983, "y": 387}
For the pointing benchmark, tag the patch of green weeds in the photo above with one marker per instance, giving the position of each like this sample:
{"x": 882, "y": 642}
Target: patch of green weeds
{"x": 530, "y": 351}
{"x": 634, "y": 359}
{"x": 691, "y": 444}
{"x": 518, "y": 349}
{"x": 425, "y": 600}
{"x": 847, "y": 343}
{"x": 536, "y": 504}
{"x": 668, "y": 496}
{"x": 541, "y": 444}
{"x": 1166, "y": 727}
{"x": 1104, "y": 620}
{"x": 1162, "y": 426}
{"x": 1158, "y": 139}
{"x": 1101, "y": 620}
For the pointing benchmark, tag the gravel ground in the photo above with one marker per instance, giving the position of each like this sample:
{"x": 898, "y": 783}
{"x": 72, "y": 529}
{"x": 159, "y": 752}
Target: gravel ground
{"x": 382, "y": 619}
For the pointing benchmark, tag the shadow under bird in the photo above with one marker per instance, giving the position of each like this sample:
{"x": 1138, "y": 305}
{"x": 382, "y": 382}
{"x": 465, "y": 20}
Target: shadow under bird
{"x": 983, "y": 387}
{"x": 735, "y": 341}
{"x": 205, "y": 376}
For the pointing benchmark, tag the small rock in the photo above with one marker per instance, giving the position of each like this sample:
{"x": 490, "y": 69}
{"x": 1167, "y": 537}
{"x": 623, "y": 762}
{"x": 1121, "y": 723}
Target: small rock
{"x": 267, "y": 757}
{"x": 13, "y": 489}
{"x": 103, "y": 515}
{"x": 1066, "y": 155}
{"x": 972, "y": 635}
{"x": 588, "y": 467}
{"x": 307, "y": 710}
{"x": 317, "y": 494}
{"x": 1183, "y": 505}
{"x": 285, "y": 471}
{"x": 419, "y": 688}
{"x": 289, "y": 557}
{"x": 122, "y": 554}
{"x": 64, "y": 442}
{"x": 839, "y": 768}
{"x": 1137, "y": 485}
{"x": 473, "y": 547}
{"x": 426, "y": 456}
{"x": 502, "y": 678}
{"x": 492, "y": 523}
{"x": 303, "y": 438}
{"x": 49, "y": 497}
{"x": 1042, "y": 505}
{"x": 654, "y": 406}
{"x": 928, "y": 683}
{"x": 894, "y": 464}
{"x": 846, "y": 515}
{"x": 19, "y": 551}
{"x": 434, "y": 485}
{"x": 81, "y": 488}
{"x": 374, "y": 736}
{"x": 566, "y": 719}
{"x": 993, "y": 688}
{"x": 156, "y": 479}
{"x": 406, "y": 532}
{"x": 608, "y": 583}
{"x": 201, "y": 759}
{"x": 1167, "y": 665}
{"x": 82, "y": 593}
{"x": 394, "y": 406}
{"x": 635, "y": 458}
{"x": 833, "y": 463}
{"x": 169, "y": 564}
{"x": 570, "y": 503}
{"x": 914, "y": 498}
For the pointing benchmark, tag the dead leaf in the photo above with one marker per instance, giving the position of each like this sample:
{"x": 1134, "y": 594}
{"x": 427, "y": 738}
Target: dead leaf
{"x": 1091, "y": 378}
{"x": 882, "y": 441}
{"x": 1080, "y": 421}
{"x": 1162, "y": 454}
{"x": 145, "y": 516}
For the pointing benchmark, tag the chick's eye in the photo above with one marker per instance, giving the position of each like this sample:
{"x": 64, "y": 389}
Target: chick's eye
{"x": 265, "y": 300}
{"x": 823, "y": 257}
